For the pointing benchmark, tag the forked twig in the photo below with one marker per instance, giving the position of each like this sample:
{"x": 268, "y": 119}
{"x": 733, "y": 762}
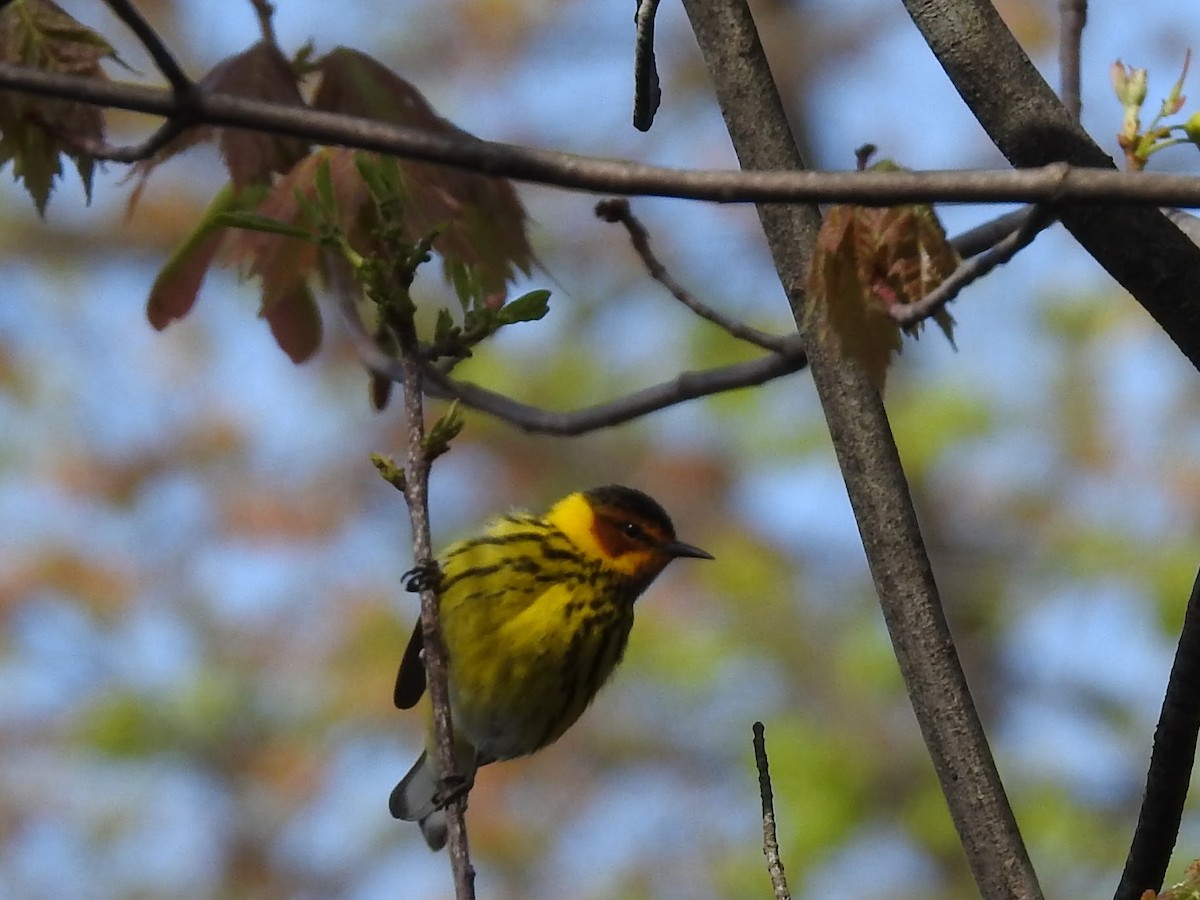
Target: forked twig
{"x": 617, "y": 210}
{"x": 973, "y": 269}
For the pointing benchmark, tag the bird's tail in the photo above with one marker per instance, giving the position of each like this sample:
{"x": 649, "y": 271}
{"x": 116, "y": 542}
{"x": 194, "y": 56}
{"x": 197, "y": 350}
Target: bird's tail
{"x": 414, "y": 799}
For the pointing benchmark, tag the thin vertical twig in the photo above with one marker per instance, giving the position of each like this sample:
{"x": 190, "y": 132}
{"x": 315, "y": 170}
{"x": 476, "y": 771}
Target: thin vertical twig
{"x": 415, "y": 484}
{"x": 1072, "y": 17}
{"x": 265, "y": 11}
{"x": 416, "y": 494}
{"x": 770, "y": 839}
{"x": 1171, "y": 764}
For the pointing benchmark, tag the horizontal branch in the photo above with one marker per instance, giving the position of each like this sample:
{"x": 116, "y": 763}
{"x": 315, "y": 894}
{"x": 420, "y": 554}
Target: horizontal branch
{"x": 684, "y": 386}
{"x": 535, "y": 419}
{"x": 1056, "y": 183}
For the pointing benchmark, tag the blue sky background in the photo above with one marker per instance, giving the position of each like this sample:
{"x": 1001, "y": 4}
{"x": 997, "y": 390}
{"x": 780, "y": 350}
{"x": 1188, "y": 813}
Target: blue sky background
{"x": 569, "y": 89}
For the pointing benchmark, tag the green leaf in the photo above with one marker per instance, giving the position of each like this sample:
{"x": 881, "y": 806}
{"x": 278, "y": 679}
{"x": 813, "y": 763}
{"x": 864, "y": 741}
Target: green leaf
{"x": 444, "y": 430}
{"x": 37, "y": 132}
{"x": 465, "y": 283}
{"x": 444, "y": 327}
{"x": 389, "y": 470}
{"x": 309, "y": 209}
{"x": 323, "y": 184}
{"x": 382, "y": 175}
{"x": 526, "y": 308}
{"x": 255, "y": 222}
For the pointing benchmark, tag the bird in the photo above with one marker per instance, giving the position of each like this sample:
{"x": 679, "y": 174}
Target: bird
{"x": 535, "y": 614}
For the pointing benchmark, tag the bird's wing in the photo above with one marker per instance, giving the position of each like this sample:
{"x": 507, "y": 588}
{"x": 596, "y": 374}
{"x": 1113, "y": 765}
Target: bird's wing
{"x": 410, "y": 680}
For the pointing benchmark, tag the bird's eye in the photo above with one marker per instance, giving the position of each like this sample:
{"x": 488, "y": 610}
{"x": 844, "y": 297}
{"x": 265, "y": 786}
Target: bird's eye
{"x": 633, "y": 530}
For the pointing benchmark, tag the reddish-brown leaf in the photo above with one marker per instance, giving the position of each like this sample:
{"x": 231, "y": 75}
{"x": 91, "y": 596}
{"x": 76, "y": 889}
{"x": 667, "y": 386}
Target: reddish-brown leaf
{"x": 36, "y": 132}
{"x": 178, "y": 282}
{"x": 284, "y": 264}
{"x": 260, "y": 72}
{"x": 481, "y": 220}
{"x": 839, "y": 294}
{"x": 295, "y": 323}
{"x": 380, "y": 390}
{"x": 868, "y": 260}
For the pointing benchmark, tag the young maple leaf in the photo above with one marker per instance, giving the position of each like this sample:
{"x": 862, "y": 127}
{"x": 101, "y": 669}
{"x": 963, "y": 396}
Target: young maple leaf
{"x": 252, "y": 157}
{"x": 867, "y": 260}
{"x": 284, "y": 263}
{"x": 479, "y": 218}
{"x": 178, "y": 282}
{"x": 295, "y": 323}
{"x": 36, "y": 132}
{"x": 841, "y": 282}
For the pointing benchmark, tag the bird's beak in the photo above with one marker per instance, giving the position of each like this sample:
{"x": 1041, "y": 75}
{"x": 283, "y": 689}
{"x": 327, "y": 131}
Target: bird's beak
{"x": 679, "y": 548}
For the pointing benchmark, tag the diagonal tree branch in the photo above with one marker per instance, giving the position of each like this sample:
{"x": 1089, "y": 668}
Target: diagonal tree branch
{"x": 874, "y": 479}
{"x": 983, "y": 237}
{"x": 154, "y": 44}
{"x": 1155, "y": 261}
{"x": 1139, "y": 248}
{"x": 788, "y": 358}
{"x": 686, "y": 386}
{"x": 1171, "y": 764}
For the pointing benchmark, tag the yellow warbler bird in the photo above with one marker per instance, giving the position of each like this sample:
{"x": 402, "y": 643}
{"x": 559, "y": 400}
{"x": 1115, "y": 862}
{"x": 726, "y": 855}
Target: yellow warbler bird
{"x": 535, "y": 614}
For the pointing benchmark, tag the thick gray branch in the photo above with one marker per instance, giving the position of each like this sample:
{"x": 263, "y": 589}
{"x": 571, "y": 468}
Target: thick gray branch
{"x": 874, "y": 479}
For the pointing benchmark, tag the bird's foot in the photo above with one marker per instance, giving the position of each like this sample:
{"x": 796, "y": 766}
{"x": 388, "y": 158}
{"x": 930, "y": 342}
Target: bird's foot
{"x": 451, "y": 788}
{"x": 425, "y": 577}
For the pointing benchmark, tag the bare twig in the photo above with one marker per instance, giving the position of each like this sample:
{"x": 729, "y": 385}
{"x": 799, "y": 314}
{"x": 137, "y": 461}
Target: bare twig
{"x": 166, "y": 133}
{"x": 1065, "y": 185}
{"x": 685, "y": 386}
{"x": 875, "y": 481}
{"x": 1171, "y": 763}
{"x": 647, "y": 93}
{"x": 770, "y": 840}
{"x": 976, "y": 240}
{"x": 409, "y": 371}
{"x": 155, "y": 46}
{"x": 1072, "y": 16}
{"x": 972, "y": 270}
{"x": 416, "y": 492}
{"x": 618, "y": 211}
{"x": 266, "y": 20}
